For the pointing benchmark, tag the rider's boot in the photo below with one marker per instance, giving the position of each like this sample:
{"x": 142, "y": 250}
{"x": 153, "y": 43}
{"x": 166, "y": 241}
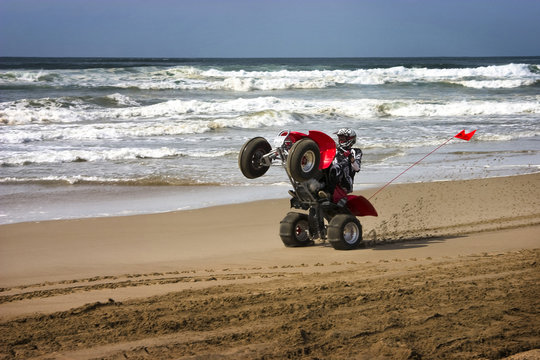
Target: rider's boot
{"x": 324, "y": 195}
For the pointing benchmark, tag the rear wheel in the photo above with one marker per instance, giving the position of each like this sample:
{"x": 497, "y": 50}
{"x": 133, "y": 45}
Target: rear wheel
{"x": 344, "y": 232}
{"x": 303, "y": 160}
{"x": 294, "y": 230}
{"x": 249, "y": 159}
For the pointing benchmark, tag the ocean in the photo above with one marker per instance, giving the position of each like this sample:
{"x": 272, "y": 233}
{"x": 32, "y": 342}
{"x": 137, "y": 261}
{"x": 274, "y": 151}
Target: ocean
{"x": 117, "y": 136}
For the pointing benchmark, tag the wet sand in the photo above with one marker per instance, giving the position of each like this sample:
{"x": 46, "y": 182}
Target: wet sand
{"x": 449, "y": 270}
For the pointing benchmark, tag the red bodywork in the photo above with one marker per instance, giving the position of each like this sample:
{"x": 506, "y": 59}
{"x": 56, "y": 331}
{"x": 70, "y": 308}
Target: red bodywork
{"x": 358, "y": 205}
{"x": 326, "y": 144}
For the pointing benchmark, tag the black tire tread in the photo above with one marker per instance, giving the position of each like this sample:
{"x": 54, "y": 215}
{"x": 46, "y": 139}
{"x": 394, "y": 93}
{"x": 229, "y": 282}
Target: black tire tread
{"x": 245, "y": 157}
{"x": 335, "y": 232}
{"x": 287, "y": 227}
{"x": 295, "y": 157}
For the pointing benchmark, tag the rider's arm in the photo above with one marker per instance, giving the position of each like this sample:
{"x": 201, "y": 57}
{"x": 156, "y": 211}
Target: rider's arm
{"x": 355, "y": 157}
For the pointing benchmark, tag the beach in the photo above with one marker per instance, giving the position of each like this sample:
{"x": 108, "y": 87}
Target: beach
{"x": 128, "y": 231}
{"x": 449, "y": 269}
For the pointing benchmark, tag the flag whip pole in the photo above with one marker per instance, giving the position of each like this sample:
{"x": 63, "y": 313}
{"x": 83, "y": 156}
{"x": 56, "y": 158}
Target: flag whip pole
{"x": 461, "y": 135}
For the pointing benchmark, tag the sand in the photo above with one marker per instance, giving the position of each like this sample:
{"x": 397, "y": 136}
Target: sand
{"x": 449, "y": 270}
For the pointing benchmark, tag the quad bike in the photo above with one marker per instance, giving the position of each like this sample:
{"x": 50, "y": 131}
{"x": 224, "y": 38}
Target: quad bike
{"x": 307, "y": 159}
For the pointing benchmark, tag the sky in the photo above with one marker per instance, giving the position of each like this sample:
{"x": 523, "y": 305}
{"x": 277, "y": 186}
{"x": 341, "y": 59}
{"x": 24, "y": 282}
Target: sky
{"x": 269, "y": 28}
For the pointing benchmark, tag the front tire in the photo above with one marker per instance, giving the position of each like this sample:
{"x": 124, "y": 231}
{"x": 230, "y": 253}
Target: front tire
{"x": 303, "y": 160}
{"x": 249, "y": 159}
{"x": 344, "y": 232}
{"x": 294, "y": 230}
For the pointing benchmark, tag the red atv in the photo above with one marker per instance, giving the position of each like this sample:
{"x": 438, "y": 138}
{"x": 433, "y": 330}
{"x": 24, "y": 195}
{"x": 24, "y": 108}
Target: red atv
{"x": 307, "y": 159}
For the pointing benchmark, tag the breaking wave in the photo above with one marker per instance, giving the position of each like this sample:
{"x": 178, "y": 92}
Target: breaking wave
{"x": 153, "y": 122}
{"x": 198, "y": 78}
{"x": 154, "y": 180}
{"x": 83, "y": 120}
{"x": 18, "y": 158}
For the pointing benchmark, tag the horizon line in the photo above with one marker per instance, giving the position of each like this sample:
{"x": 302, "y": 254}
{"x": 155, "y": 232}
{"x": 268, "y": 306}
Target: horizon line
{"x": 265, "y": 57}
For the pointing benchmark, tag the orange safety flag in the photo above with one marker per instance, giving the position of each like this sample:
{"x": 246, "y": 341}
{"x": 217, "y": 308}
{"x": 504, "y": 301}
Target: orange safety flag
{"x": 463, "y": 136}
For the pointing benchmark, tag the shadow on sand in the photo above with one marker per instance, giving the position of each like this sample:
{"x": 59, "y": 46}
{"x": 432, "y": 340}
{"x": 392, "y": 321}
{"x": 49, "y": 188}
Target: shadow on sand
{"x": 403, "y": 244}
{"x": 400, "y": 244}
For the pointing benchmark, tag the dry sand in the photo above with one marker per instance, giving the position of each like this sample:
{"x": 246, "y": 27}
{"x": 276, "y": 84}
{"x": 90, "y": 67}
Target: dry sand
{"x": 450, "y": 270}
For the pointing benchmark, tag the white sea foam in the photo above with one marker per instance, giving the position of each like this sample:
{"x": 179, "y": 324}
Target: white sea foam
{"x": 503, "y": 76}
{"x": 121, "y": 99}
{"x": 32, "y": 133}
{"x": 511, "y": 75}
{"x": 176, "y": 117}
{"x": 409, "y": 138}
{"x": 18, "y": 158}
{"x": 462, "y": 108}
{"x": 190, "y": 78}
{"x": 495, "y": 84}
{"x": 45, "y": 110}
{"x": 76, "y": 179}
{"x": 79, "y": 155}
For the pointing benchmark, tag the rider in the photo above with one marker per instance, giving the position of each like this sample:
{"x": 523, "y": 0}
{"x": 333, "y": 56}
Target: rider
{"x": 345, "y": 165}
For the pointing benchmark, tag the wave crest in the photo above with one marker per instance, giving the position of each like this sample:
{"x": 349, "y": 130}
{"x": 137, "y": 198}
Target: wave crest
{"x": 154, "y": 180}
{"x": 23, "y": 158}
{"x": 192, "y": 78}
{"x": 80, "y": 121}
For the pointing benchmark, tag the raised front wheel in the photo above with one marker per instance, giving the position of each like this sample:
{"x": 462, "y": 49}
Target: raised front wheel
{"x": 249, "y": 159}
{"x": 344, "y": 232}
{"x": 303, "y": 160}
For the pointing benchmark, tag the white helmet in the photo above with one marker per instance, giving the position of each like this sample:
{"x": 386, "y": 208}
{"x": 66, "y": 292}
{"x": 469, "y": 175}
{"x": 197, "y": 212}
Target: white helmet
{"x": 346, "y": 137}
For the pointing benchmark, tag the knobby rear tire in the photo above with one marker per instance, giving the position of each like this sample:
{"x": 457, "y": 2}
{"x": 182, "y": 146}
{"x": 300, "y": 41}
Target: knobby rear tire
{"x": 344, "y": 232}
{"x": 294, "y": 230}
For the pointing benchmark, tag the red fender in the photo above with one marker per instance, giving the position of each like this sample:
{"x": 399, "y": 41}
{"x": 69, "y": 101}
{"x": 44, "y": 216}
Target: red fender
{"x": 327, "y": 147}
{"x": 360, "y": 206}
{"x": 296, "y": 135}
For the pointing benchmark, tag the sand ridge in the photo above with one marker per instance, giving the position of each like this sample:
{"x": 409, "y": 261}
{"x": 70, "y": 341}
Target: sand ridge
{"x": 478, "y": 306}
